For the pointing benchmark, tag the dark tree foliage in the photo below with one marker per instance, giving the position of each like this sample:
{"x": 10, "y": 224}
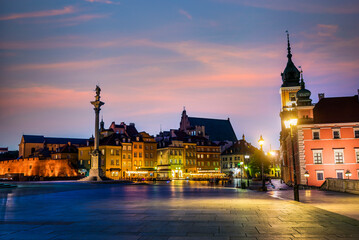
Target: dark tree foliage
{"x": 256, "y": 160}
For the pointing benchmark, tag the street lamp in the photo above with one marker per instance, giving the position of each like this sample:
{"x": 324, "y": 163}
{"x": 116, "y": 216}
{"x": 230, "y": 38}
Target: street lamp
{"x": 246, "y": 167}
{"x": 306, "y": 175}
{"x": 348, "y": 174}
{"x": 261, "y": 142}
{"x": 290, "y": 123}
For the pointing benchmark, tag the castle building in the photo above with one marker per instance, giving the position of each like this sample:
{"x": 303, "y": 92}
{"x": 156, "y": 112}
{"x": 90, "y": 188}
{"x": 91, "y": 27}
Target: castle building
{"x": 326, "y": 138}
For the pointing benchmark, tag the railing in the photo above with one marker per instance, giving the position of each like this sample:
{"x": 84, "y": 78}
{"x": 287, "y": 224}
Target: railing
{"x": 341, "y": 185}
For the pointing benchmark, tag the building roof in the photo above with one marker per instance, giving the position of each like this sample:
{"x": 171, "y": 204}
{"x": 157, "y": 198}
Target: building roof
{"x": 240, "y": 147}
{"x": 53, "y": 140}
{"x": 216, "y": 129}
{"x": 337, "y": 110}
{"x": 33, "y": 138}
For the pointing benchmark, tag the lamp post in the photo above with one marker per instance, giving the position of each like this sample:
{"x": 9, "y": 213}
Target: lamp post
{"x": 306, "y": 175}
{"x": 261, "y": 142}
{"x": 348, "y": 174}
{"x": 241, "y": 168}
{"x": 246, "y": 167}
{"x": 290, "y": 123}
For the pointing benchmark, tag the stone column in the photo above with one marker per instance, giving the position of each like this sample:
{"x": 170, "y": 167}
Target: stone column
{"x": 96, "y": 173}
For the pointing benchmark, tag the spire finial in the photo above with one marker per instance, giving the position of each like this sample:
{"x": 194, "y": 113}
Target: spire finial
{"x": 289, "y": 52}
{"x": 302, "y": 84}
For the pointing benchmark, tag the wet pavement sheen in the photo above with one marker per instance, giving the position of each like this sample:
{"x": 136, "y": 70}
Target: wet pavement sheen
{"x": 173, "y": 211}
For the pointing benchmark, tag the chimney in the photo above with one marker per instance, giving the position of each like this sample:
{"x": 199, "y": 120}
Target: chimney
{"x": 320, "y": 96}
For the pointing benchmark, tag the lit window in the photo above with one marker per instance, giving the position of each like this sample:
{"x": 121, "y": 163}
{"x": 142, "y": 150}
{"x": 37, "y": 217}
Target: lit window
{"x": 338, "y": 156}
{"x": 117, "y": 162}
{"x": 320, "y": 175}
{"x": 129, "y": 148}
{"x": 111, "y": 152}
{"x": 124, "y": 148}
{"x": 317, "y": 156}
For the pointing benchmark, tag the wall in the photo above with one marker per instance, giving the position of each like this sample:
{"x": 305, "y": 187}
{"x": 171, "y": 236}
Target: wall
{"x": 37, "y": 167}
{"x": 341, "y": 185}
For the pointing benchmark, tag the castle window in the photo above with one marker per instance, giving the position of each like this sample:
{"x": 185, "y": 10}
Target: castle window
{"x": 336, "y": 134}
{"x": 320, "y": 175}
{"x": 317, "y": 156}
{"x": 338, "y": 156}
{"x": 316, "y": 134}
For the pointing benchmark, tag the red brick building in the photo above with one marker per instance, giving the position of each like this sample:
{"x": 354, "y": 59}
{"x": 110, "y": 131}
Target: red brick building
{"x": 326, "y": 138}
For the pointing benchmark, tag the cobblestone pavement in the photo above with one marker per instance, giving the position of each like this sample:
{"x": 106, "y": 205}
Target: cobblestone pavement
{"x": 173, "y": 212}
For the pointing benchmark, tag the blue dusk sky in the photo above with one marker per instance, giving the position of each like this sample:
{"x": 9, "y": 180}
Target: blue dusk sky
{"x": 218, "y": 58}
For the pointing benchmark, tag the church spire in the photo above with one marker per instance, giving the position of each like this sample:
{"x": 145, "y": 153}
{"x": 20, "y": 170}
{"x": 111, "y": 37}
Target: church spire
{"x": 290, "y": 75}
{"x": 288, "y": 48}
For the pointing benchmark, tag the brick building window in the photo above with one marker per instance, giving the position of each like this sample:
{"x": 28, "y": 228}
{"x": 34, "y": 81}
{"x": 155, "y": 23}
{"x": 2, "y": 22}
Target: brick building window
{"x": 316, "y": 135}
{"x": 317, "y": 156}
{"x": 338, "y": 156}
{"x": 336, "y": 134}
{"x": 320, "y": 175}
{"x": 356, "y": 133}
{"x": 112, "y": 162}
{"x": 357, "y": 155}
{"x": 117, "y": 162}
{"x": 340, "y": 174}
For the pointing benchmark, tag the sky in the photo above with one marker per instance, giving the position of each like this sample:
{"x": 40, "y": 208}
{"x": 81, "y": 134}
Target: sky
{"x": 218, "y": 58}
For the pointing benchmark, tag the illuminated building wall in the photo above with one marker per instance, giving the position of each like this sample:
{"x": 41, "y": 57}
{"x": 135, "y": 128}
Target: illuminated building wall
{"x": 39, "y": 167}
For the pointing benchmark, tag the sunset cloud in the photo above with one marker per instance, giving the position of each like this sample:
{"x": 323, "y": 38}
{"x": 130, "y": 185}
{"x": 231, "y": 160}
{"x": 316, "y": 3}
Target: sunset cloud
{"x": 103, "y": 1}
{"x": 306, "y": 6}
{"x": 186, "y": 14}
{"x": 46, "y": 13}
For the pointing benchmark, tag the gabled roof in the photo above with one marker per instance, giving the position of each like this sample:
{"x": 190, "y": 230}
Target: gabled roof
{"x": 53, "y": 140}
{"x": 337, "y": 110}
{"x": 33, "y": 138}
{"x": 216, "y": 129}
{"x": 241, "y": 147}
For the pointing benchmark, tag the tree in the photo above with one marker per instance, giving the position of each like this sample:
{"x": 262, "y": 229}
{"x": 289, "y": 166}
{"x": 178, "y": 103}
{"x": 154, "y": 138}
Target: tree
{"x": 255, "y": 163}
